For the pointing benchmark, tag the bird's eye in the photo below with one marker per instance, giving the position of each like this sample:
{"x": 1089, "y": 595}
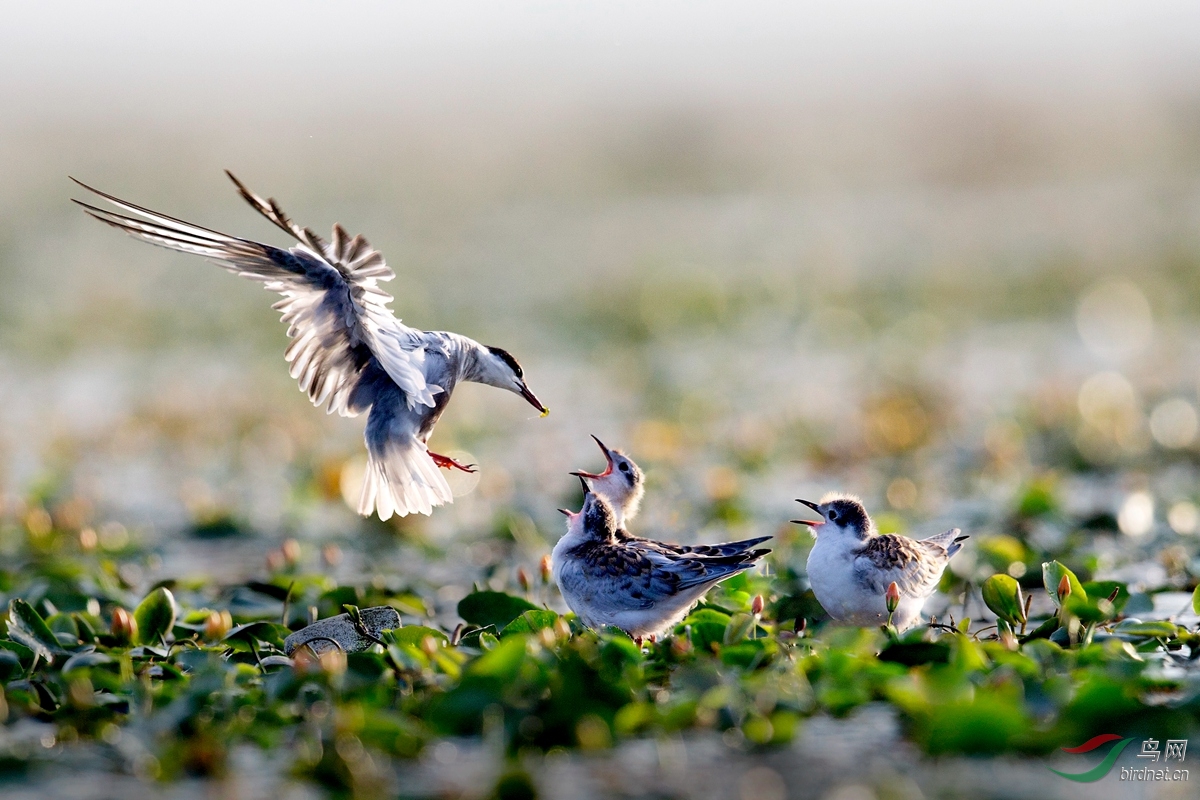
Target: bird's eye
{"x": 624, "y": 467}
{"x": 833, "y": 515}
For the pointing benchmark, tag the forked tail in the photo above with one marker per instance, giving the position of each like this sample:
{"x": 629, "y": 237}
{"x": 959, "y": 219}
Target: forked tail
{"x": 401, "y": 479}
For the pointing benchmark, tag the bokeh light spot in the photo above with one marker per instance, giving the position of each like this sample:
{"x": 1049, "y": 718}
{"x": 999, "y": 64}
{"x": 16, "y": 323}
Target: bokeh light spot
{"x": 1114, "y": 319}
{"x": 902, "y": 493}
{"x": 1184, "y": 517}
{"x": 1136, "y": 517}
{"x": 1173, "y": 423}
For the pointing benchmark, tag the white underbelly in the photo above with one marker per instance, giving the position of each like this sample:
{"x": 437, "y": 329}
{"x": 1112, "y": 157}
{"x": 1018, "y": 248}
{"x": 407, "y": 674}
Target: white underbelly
{"x": 834, "y": 582}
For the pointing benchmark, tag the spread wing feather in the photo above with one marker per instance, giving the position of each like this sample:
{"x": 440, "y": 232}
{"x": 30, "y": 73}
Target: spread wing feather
{"x": 337, "y": 316}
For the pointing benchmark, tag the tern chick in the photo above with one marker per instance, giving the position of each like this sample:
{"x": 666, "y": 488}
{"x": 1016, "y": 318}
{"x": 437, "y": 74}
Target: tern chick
{"x": 348, "y": 351}
{"x": 622, "y": 485}
{"x": 851, "y": 565}
{"x": 644, "y": 591}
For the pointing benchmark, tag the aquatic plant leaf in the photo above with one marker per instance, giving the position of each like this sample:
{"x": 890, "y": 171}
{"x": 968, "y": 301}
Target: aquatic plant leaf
{"x": 1003, "y": 596}
{"x": 1052, "y": 575}
{"x": 85, "y": 660}
{"x": 26, "y": 626}
{"x": 155, "y": 616}
{"x": 493, "y": 608}
{"x": 530, "y": 622}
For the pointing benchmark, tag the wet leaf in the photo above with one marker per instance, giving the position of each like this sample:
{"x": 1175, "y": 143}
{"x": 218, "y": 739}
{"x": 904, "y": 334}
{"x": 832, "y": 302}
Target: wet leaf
{"x": 155, "y": 616}
{"x": 26, "y": 626}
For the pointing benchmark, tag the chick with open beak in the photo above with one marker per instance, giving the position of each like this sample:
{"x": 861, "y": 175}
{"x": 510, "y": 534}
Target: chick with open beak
{"x": 641, "y": 587}
{"x": 863, "y": 577}
{"x": 621, "y": 484}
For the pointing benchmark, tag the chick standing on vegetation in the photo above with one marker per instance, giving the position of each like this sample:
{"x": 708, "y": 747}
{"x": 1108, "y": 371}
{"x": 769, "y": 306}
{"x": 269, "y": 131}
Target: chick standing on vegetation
{"x": 852, "y": 565}
{"x": 622, "y": 485}
{"x": 348, "y": 351}
{"x": 643, "y": 590}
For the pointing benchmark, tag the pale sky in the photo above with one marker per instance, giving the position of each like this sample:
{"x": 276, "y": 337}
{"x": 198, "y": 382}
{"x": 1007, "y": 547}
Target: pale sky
{"x": 170, "y": 57}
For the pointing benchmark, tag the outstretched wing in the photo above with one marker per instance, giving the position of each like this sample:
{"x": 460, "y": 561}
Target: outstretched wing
{"x": 915, "y": 565}
{"x": 337, "y": 315}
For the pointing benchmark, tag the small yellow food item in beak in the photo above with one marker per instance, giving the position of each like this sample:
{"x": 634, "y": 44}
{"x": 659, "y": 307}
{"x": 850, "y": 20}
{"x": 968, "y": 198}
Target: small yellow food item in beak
{"x": 545, "y": 412}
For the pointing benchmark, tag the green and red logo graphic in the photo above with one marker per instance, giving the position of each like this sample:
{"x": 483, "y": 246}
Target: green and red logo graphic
{"x": 1104, "y": 767}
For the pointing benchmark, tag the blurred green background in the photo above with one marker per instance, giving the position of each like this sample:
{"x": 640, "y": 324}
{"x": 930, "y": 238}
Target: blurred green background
{"x": 945, "y": 258}
{"x": 771, "y": 251}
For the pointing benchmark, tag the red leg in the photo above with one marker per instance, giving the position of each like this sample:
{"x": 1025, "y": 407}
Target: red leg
{"x": 653, "y": 639}
{"x": 638, "y": 641}
{"x": 446, "y": 462}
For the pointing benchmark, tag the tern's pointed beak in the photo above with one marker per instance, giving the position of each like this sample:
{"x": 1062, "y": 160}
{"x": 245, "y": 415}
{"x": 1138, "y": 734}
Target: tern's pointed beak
{"x": 607, "y": 469}
{"x": 815, "y": 508}
{"x": 531, "y": 398}
{"x": 565, "y": 512}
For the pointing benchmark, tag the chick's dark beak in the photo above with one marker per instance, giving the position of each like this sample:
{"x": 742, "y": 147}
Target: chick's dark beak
{"x": 815, "y": 508}
{"x": 607, "y": 469}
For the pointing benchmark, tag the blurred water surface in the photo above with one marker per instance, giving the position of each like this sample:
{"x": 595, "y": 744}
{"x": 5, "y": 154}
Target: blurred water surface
{"x": 931, "y": 259}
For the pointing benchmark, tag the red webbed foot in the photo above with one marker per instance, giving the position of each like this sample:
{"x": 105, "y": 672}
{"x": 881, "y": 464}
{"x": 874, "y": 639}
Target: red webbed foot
{"x": 446, "y": 462}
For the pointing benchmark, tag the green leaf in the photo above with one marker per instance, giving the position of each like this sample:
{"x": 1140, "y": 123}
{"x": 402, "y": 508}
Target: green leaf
{"x": 1044, "y": 630}
{"x": 1196, "y": 600}
{"x": 26, "y": 626}
{"x": 1039, "y": 498}
{"x": 739, "y": 628}
{"x": 1155, "y": 629}
{"x": 502, "y": 662}
{"x": 530, "y": 622}
{"x": 1102, "y": 590}
{"x": 1090, "y": 609}
{"x": 155, "y": 616}
{"x": 413, "y": 635}
{"x": 749, "y": 653}
{"x": 708, "y": 627}
{"x": 10, "y": 664}
{"x": 1052, "y": 575}
{"x": 22, "y": 652}
{"x": 83, "y": 660}
{"x": 492, "y": 608}
{"x": 1003, "y": 596}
